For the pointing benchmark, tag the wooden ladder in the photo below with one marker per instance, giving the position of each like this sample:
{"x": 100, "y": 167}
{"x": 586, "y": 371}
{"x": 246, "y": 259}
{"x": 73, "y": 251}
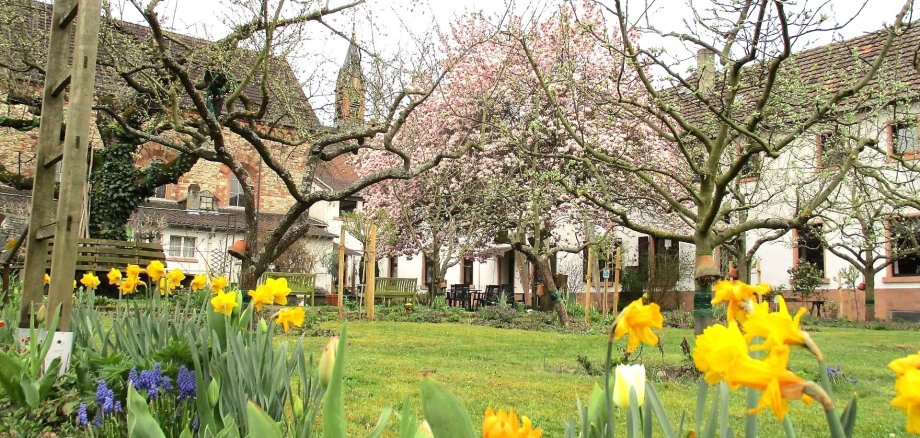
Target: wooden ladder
{"x": 77, "y": 20}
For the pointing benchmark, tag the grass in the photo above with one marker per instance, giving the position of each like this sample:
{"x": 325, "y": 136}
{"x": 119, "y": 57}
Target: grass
{"x": 537, "y": 373}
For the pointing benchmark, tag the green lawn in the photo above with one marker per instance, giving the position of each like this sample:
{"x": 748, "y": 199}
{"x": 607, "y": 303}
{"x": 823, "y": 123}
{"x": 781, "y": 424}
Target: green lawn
{"x": 537, "y": 373}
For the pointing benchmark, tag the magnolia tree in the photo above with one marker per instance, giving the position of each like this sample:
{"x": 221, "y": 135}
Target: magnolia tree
{"x": 507, "y": 184}
{"x": 737, "y": 115}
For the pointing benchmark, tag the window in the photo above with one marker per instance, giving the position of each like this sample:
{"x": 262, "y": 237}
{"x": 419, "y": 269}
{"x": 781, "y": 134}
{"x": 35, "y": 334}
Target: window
{"x": 904, "y": 137}
{"x": 182, "y": 246}
{"x": 811, "y": 246}
{"x": 904, "y": 247}
{"x": 206, "y": 201}
{"x": 831, "y": 150}
{"x": 159, "y": 192}
{"x": 347, "y": 206}
{"x": 466, "y": 271}
{"x": 394, "y": 266}
{"x": 236, "y": 192}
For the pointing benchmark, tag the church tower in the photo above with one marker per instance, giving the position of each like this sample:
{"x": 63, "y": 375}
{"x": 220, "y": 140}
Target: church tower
{"x": 350, "y": 89}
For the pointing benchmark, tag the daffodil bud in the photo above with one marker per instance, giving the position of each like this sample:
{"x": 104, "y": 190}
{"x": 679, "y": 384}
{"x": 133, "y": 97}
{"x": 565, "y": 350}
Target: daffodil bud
{"x": 40, "y": 315}
{"x": 297, "y": 406}
{"x": 213, "y": 392}
{"x": 263, "y": 326}
{"x": 628, "y": 377}
{"x": 424, "y": 430}
{"x": 327, "y": 361}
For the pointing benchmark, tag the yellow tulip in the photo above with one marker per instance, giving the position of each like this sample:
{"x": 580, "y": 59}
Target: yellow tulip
{"x": 628, "y": 377}
{"x": 260, "y": 297}
{"x": 327, "y": 361}
{"x": 90, "y": 280}
{"x": 155, "y": 270}
{"x": 218, "y": 284}
{"x": 288, "y": 317}
{"x": 199, "y": 282}
{"x": 224, "y": 303}
{"x": 424, "y": 430}
{"x": 738, "y": 295}
{"x": 907, "y": 398}
{"x": 637, "y": 320}
{"x": 114, "y": 277}
{"x": 505, "y": 425}
{"x": 776, "y": 328}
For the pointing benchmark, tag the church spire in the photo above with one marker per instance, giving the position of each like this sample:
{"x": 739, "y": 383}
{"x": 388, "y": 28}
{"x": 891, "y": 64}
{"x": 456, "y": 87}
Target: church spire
{"x": 350, "y": 87}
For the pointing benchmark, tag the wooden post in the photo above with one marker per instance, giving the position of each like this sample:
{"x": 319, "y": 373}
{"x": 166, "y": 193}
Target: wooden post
{"x": 371, "y": 255}
{"x": 588, "y": 279}
{"x": 341, "y": 276}
{"x": 605, "y": 305}
{"x": 83, "y": 24}
{"x": 616, "y": 281}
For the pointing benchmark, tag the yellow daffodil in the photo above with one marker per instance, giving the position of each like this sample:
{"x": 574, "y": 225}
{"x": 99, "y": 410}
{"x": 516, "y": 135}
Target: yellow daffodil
{"x": 907, "y": 398}
{"x": 637, "y": 320}
{"x": 10, "y": 244}
{"x": 279, "y": 289}
{"x": 224, "y": 303}
{"x": 90, "y": 280}
{"x": 628, "y": 377}
{"x": 262, "y": 296}
{"x": 174, "y": 278}
{"x": 74, "y": 285}
{"x": 47, "y": 279}
{"x": 155, "y": 270}
{"x": 772, "y": 377}
{"x": 199, "y": 282}
{"x": 717, "y": 348}
{"x": 291, "y": 316}
{"x": 738, "y": 295}
{"x": 133, "y": 271}
{"x": 505, "y": 425}
{"x": 776, "y": 328}
{"x": 327, "y": 361}
{"x": 114, "y": 276}
{"x": 904, "y": 364}
{"x": 129, "y": 285}
{"x": 218, "y": 284}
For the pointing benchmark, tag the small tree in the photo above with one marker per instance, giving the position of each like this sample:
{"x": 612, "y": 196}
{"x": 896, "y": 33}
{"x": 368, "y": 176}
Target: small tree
{"x": 804, "y": 279}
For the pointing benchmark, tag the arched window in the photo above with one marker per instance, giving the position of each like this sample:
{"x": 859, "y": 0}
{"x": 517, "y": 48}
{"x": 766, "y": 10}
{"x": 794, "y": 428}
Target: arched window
{"x": 236, "y": 192}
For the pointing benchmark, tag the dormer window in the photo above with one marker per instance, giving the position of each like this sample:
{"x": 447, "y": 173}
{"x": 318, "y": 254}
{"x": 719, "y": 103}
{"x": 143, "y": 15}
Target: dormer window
{"x": 159, "y": 192}
{"x": 206, "y": 201}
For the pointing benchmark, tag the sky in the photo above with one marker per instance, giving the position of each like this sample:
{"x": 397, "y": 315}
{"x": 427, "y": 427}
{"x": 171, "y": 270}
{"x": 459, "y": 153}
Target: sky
{"x": 394, "y": 27}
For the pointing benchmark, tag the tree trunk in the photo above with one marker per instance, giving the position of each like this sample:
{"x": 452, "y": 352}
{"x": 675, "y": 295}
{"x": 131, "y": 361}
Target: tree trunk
{"x": 706, "y": 273}
{"x": 250, "y": 272}
{"x": 869, "y": 307}
{"x": 525, "y": 278}
{"x": 549, "y": 283}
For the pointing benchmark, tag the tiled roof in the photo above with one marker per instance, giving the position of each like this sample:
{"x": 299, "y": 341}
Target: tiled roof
{"x": 225, "y": 219}
{"x": 338, "y": 174}
{"x": 824, "y": 69}
{"x": 120, "y": 40}
{"x": 15, "y": 204}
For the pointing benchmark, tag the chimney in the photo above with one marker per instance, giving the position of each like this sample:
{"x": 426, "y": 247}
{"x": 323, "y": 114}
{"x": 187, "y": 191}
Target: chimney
{"x": 706, "y": 69}
{"x": 193, "y": 200}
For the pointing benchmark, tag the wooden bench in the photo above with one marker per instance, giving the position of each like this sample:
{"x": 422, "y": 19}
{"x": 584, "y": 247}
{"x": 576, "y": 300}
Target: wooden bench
{"x": 101, "y": 255}
{"x": 388, "y": 288}
{"x": 302, "y": 285}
